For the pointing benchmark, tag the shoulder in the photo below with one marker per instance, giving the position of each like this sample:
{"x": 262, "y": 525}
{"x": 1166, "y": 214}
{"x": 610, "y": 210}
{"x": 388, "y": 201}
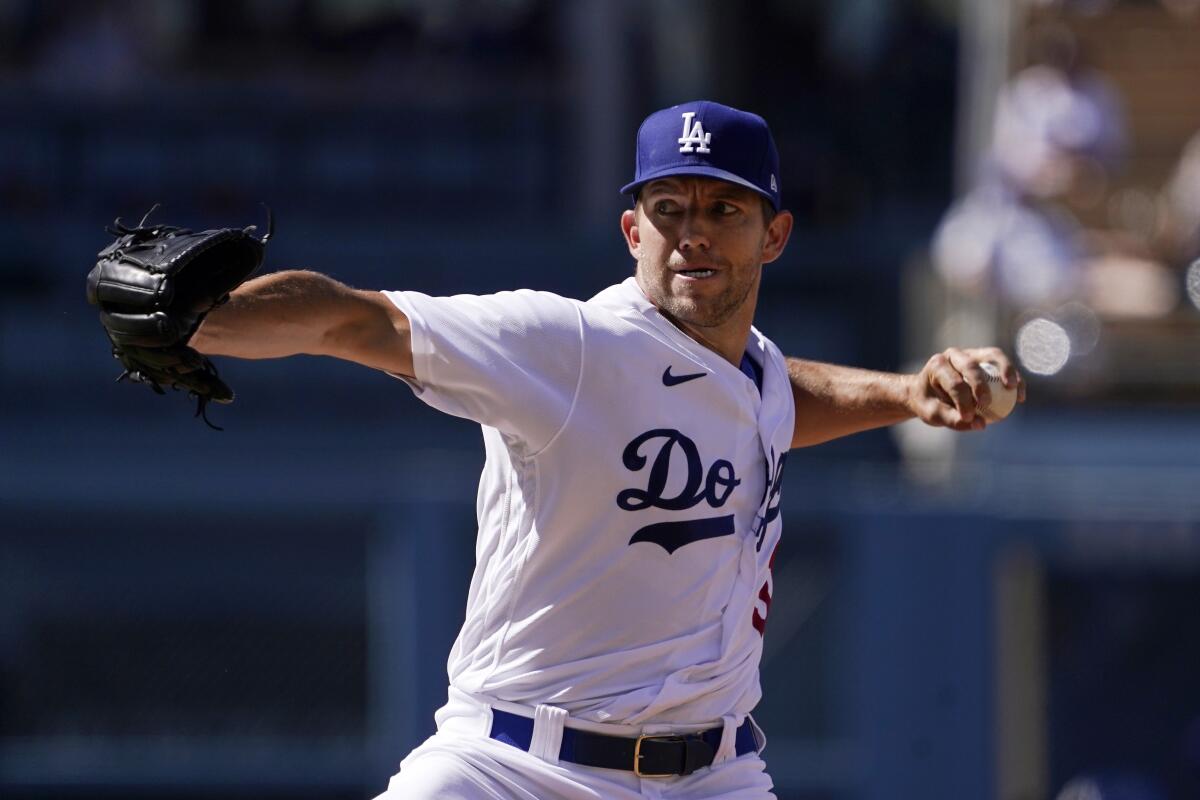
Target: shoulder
{"x": 622, "y": 307}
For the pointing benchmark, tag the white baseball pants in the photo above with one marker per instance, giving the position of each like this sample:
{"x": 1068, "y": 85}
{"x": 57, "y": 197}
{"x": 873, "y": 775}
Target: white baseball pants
{"x": 460, "y": 762}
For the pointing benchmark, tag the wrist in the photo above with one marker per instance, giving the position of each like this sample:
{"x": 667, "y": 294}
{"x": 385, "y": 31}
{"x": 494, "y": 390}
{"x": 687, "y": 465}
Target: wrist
{"x": 911, "y": 393}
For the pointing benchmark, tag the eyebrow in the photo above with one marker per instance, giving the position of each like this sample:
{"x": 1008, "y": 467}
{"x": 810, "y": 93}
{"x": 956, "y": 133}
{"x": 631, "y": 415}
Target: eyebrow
{"x": 726, "y": 191}
{"x": 663, "y": 185}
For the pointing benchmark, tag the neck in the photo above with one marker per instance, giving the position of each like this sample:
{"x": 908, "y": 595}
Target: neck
{"x": 728, "y": 340}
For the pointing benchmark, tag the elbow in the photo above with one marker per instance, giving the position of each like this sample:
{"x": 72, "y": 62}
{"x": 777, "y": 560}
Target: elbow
{"x": 376, "y": 334}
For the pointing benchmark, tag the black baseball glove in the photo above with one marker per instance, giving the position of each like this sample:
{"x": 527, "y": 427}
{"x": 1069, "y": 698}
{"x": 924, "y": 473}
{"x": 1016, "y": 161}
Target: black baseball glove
{"x": 154, "y": 285}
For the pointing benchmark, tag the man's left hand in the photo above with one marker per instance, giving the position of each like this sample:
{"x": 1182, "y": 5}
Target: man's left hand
{"x": 951, "y": 388}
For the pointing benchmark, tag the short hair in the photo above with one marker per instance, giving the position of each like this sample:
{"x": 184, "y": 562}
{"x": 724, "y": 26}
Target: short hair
{"x": 769, "y": 211}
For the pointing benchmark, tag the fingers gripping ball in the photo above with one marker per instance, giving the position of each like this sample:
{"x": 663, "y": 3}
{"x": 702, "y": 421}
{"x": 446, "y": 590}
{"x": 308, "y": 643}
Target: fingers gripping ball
{"x": 1004, "y": 398}
{"x": 154, "y": 285}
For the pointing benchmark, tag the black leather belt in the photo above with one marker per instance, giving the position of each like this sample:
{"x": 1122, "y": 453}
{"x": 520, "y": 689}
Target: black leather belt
{"x": 650, "y": 756}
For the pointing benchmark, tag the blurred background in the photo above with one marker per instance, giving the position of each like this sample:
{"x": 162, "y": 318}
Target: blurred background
{"x": 267, "y": 612}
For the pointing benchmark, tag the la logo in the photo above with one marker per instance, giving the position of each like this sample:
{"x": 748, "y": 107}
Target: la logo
{"x": 694, "y": 139}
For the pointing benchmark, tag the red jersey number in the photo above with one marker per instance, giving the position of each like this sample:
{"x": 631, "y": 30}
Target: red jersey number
{"x": 763, "y": 604}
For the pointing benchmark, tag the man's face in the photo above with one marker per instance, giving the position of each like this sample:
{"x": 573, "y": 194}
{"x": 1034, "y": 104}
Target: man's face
{"x": 700, "y": 244}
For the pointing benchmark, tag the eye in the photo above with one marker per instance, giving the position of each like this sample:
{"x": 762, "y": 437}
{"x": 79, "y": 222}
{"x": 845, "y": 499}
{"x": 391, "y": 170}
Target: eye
{"x": 665, "y": 207}
{"x": 724, "y": 209}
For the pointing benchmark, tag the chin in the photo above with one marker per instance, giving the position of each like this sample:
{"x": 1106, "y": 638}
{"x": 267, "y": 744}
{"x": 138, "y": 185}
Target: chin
{"x": 698, "y": 307}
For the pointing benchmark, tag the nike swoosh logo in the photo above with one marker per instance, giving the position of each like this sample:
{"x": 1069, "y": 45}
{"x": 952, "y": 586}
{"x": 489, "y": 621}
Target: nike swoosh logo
{"x": 675, "y": 380}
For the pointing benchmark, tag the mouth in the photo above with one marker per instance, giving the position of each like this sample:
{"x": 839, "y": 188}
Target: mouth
{"x": 696, "y": 272}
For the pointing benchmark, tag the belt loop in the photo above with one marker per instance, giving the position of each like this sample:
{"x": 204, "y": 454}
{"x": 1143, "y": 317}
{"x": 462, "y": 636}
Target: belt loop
{"x": 547, "y": 732}
{"x": 728, "y": 748}
{"x": 464, "y": 714}
{"x": 760, "y": 738}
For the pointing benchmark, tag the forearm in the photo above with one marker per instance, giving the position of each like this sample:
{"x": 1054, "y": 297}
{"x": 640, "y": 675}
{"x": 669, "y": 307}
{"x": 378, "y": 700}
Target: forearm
{"x": 834, "y": 401}
{"x": 298, "y": 312}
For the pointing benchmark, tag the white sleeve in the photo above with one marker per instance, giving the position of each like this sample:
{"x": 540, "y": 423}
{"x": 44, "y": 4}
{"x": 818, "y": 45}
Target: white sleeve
{"x": 511, "y": 360}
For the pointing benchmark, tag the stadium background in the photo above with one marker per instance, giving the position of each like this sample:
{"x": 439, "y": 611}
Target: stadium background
{"x": 267, "y": 612}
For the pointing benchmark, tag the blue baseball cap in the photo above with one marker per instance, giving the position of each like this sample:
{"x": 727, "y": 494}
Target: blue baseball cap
{"x": 708, "y": 139}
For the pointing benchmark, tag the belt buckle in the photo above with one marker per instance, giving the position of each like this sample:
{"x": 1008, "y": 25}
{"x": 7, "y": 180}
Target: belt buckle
{"x": 637, "y": 755}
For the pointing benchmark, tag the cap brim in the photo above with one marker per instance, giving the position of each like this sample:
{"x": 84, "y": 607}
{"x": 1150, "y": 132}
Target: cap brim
{"x": 707, "y": 172}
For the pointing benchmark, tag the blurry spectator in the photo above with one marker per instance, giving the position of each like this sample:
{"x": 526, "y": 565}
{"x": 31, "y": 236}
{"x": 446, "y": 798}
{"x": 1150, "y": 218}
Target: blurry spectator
{"x": 1126, "y": 284}
{"x": 1181, "y": 196}
{"x": 1059, "y": 129}
{"x": 1056, "y": 119}
{"x": 1033, "y": 253}
{"x": 999, "y": 238}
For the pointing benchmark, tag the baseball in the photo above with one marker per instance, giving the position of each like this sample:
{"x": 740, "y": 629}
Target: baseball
{"x": 1004, "y": 398}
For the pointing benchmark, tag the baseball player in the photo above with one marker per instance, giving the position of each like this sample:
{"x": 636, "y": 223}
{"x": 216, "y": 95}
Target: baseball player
{"x": 629, "y": 506}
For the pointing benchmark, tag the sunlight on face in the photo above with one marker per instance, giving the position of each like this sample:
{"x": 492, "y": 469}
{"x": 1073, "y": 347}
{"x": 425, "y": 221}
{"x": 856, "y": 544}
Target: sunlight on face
{"x": 701, "y": 245}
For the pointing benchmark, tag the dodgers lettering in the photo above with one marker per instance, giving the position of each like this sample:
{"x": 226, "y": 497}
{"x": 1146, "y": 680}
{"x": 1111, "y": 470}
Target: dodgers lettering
{"x": 713, "y": 487}
{"x": 770, "y": 497}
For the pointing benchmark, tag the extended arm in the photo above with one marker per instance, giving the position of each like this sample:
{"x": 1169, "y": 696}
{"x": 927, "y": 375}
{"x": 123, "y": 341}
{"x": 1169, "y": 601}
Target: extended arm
{"x": 833, "y": 401}
{"x": 294, "y": 312}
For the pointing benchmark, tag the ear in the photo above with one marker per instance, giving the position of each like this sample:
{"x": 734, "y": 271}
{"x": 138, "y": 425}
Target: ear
{"x": 629, "y": 228}
{"x": 777, "y": 236}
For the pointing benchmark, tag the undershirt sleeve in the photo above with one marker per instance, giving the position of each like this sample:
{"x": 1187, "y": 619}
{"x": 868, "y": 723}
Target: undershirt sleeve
{"x": 510, "y": 360}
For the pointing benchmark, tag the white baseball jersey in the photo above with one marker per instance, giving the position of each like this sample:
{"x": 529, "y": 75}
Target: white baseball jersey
{"x": 628, "y": 507}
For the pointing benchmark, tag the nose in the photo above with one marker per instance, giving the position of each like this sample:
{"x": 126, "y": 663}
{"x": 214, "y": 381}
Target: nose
{"x": 693, "y": 233}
